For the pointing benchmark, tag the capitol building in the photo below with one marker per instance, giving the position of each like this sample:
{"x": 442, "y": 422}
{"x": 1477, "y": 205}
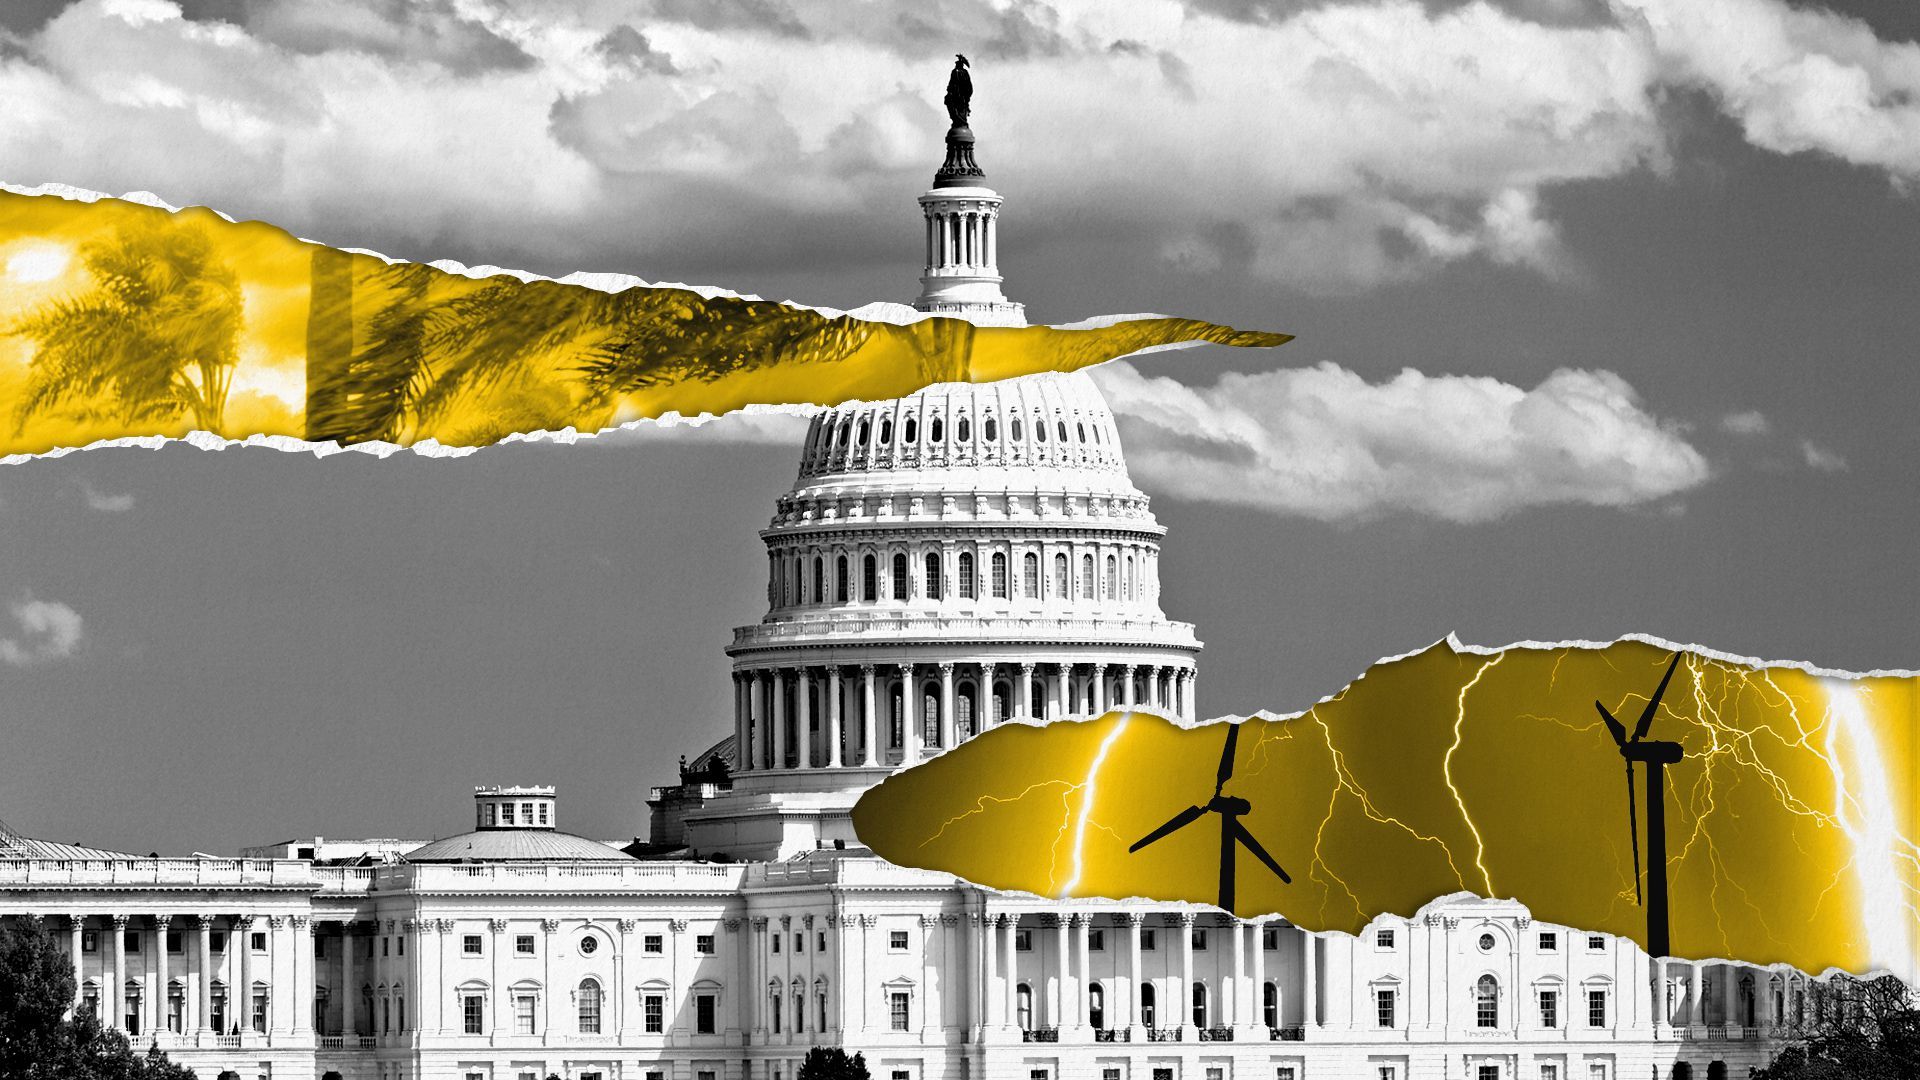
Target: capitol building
{"x": 957, "y": 559}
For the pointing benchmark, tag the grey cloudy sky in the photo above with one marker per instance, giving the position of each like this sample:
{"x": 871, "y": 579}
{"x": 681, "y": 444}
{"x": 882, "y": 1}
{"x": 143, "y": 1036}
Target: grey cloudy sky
{"x": 1605, "y": 313}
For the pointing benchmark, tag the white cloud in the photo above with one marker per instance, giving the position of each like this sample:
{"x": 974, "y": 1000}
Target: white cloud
{"x": 1821, "y": 459}
{"x": 1750, "y": 422}
{"x": 1324, "y": 443}
{"x": 104, "y": 502}
{"x": 44, "y": 630}
{"x": 756, "y": 425}
{"x": 1331, "y": 145}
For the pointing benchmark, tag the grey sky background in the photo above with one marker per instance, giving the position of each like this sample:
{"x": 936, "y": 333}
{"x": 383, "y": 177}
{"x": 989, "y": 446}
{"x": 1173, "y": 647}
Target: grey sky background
{"x": 1708, "y": 231}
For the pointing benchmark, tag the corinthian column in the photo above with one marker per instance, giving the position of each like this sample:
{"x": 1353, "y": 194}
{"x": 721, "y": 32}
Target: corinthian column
{"x": 949, "y": 729}
{"x": 834, "y": 726}
{"x": 803, "y": 716}
{"x": 779, "y": 719}
{"x": 1025, "y": 705}
{"x": 867, "y": 718}
{"x": 910, "y": 703}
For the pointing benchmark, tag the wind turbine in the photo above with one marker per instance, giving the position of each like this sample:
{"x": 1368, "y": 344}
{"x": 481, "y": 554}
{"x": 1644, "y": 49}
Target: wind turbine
{"x": 1230, "y": 809}
{"x": 1657, "y": 756}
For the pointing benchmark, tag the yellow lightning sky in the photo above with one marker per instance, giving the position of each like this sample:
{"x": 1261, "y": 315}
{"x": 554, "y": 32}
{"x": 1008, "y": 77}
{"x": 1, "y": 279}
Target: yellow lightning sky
{"x": 1790, "y": 819}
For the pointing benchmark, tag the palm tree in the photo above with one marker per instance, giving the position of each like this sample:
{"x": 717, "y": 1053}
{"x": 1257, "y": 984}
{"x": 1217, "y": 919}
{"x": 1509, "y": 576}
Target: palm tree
{"x": 156, "y": 335}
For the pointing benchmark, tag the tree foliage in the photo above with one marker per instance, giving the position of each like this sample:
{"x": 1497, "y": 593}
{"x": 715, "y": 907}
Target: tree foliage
{"x": 38, "y": 1041}
{"x": 156, "y": 335}
{"x": 1865, "y": 1030}
{"x": 832, "y": 1063}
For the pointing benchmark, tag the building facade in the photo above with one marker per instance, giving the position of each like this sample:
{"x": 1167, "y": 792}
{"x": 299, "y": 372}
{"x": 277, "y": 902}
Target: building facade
{"x": 943, "y": 563}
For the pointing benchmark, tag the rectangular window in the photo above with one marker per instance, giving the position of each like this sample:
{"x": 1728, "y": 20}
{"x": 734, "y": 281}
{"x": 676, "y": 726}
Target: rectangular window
{"x": 1199, "y": 939}
{"x": 655, "y": 944}
{"x": 1388, "y": 1072}
{"x": 820, "y": 942}
{"x": 1597, "y": 1008}
{"x": 1286, "y": 1072}
{"x": 219, "y": 940}
{"x": 1215, "y": 1072}
{"x": 897, "y": 1007}
{"x": 89, "y": 941}
{"x": 175, "y": 942}
{"x": 400, "y": 946}
{"x": 1036, "y": 1074}
{"x": 470, "y": 1013}
{"x": 655, "y": 1010}
{"x": 703, "y": 1011}
{"x": 902, "y": 1074}
{"x": 523, "y": 1014}
{"x": 259, "y": 941}
{"x": 1549, "y": 941}
{"x": 897, "y": 940}
{"x": 1549, "y": 1072}
{"x": 1488, "y": 1072}
{"x": 543, "y": 813}
{"x": 1597, "y": 1072}
{"x": 1096, "y": 940}
{"x": 799, "y": 942}
{"x": 523, "y": 945}
{"x": 1383, "y": 938}
{"x": 1269, "y": 939}
{"x": 506, "y": 813}
{"x": 1596, "y": 943}
{"x": 320, "y": 948}
{"x": 132, "y": 938}
{"x": 1162, "y": 1073}
{"x": 1550, "y": 1008}
{"x": 1383, "y": 1001}
{"x": 775, "y": 939}
{"x": 385, "y": 944}
{"x": 1110, "y": 1073}
{"x": 703, "y": 944}
{"x": 470, "y": 945}
{"x": 1149, "y": 941}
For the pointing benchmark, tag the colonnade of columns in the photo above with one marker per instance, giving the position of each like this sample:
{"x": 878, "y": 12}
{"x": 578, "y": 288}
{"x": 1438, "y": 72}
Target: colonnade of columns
{"x": 869, "y": 715}
{"x": 161, "y": 973}
{"x": 963, "y": 238}
{"x": 1699, "y": 994}
{"x": 1065, "y": 999}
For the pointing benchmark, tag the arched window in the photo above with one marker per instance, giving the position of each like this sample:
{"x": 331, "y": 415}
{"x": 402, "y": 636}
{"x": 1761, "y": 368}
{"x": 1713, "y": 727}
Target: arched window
{"x": 819, "y": 579}
{"x": 840, "y": 592}
{"x": 1062, "y": 427}
{"x": 1113, "y": 578}
{"x": 1083, "y": 432}
{"x": 933, "y": 575}
{"x": 1040, "y": 430}
{"x": 799, "y": 1011}
{"x": 775, "y": 998}
{"x": 821, "y": 996}
{"x": 1060, "y": 582}
{"x": 963, "y": 711}
{"x": 1023, "y": 1006}
{"x": 1269, "y": 996}
{"x": 907, "y": 437}
{"x": 993, "y": 429}
{"x": 1030, "y": 575}
{"x": 1086, "y": 577}
{"x": 1486, "y": 1009}
{"x": 1716, "y": 1070}
{"x": 1097, "y": 1007}
{"x": 1147, "y": 1006}
{"x": 1000, "y": 575}
{"x": 886, "y": 431}
{"x": 1015, "y": 429}
{"x": 965, "y": 429}
{"x": 866, "y": 429}
{"x": 589, "y": 1007}
{"x": 966, "y": 576}
{"x": 933, "y": 430}
{"x": 899, "y": 576}
{"x": 1681, "y": 1071}
{"x": 1131, "y": 593}
{"x": 870, "y": 578}
{"x": 846, "y": 432}
{"x": 1200, "y": 1005}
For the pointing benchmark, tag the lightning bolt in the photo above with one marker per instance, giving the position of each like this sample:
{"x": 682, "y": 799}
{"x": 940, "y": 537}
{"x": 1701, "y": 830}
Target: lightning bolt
{"x": 1446, "y": 770}
{"x": 1089, "y": 791}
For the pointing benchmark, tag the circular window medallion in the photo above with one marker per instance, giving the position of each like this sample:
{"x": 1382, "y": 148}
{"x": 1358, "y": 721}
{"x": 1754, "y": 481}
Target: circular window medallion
{"x": 588, "y": 945}
{"x": 1486, "y": 942}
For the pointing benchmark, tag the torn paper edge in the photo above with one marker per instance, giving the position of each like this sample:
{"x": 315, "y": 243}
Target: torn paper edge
{"x": 879, "y": 311}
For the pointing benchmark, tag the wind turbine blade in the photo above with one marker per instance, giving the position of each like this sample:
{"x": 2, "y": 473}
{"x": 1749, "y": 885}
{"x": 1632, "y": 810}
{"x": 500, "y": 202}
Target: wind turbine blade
{"x": 1633, "y": 832}
{"x": 1179, "y": 821}
{"x": 1653, "y": 703}
{"x": 1619, "y": 730}
{"x": 1247, "y": 841}
{"x": 1226, "y": 759}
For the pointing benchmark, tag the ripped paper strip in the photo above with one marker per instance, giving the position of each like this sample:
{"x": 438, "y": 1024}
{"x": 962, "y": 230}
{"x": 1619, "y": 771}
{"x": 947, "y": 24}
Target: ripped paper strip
{"x": 1790, "y": 815}
{"x": 126, "y": 320}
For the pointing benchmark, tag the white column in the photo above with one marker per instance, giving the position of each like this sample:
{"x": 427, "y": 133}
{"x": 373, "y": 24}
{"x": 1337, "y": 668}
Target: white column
{"x": 1133, "y": 981}
{"x": 910, "y": 702}
{"x": 949, "y": 729}
{"x": 779, "y": 718}
{"x": 549, "y": 990}
{"x": 349, "y": 993}
{"x": 243, "y": 941}
{"x": 1259, "y": 995}
{"x": 867, "y": 717}
{"x": 1696, "y": 993}
{"x": 1010, "y": 1005}
{"x": 803, "y": 722}
{"x": 762, "y": 723}
{"x": 159, "y": 994}
{"x": 1183, "y": 999}
{"x": 742, "y": 723}
{"x": 834, "y": 689}
{"x": 1063, "y": 672}
{"x": 1063, "y": 975}
{"x": 625, "y": 1011}
{"x": 502, "y": 1006}
{"x": 993, "y": 995}
{"x": 1025, "y": 707}
{"x": 929, "y": 1007}
{"x": 113, "y": 1002}
{"x": 76, "y": 924}
{"x": 1083, "y": 990}
{"x": 304, "y": 979}
{"x": 1127, "y": 700}
{"x": 1310, "y": 980}
{"x": 279, "y": 1020}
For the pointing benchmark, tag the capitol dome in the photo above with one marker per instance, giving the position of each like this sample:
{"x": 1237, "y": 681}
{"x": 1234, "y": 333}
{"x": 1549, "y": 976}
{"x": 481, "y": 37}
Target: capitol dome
{"x": 515, "y": 824}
